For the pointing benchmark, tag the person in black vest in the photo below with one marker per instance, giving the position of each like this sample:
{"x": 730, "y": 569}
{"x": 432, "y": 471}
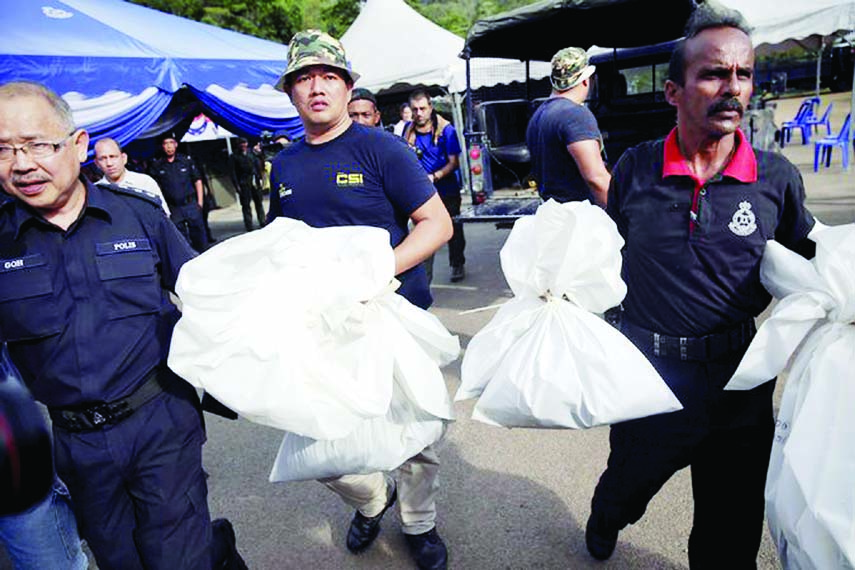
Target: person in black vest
{"x": 181, "y": 184}
{"x": 244, "y": 168}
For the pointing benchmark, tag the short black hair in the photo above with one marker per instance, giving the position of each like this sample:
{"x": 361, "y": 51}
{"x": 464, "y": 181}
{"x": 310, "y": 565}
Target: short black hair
{"x": 708, "y": 15}
{"x": 363, "y": 94}
{"x": 419, "y": 94}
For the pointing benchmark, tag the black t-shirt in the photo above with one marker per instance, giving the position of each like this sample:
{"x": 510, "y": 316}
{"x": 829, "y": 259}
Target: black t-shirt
{"x": 557, "y": 123}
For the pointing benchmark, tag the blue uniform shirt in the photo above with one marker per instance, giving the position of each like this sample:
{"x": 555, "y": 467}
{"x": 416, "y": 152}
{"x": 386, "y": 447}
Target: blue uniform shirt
{"x": 85, "y": 312}
{"x": 363, "y": 177}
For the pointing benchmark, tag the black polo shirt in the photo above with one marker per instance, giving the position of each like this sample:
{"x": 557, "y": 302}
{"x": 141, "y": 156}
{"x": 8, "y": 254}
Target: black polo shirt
{"x": 693, "y": 248}
{"x": 85, "y": 311}
{"x": 176, "y": 179}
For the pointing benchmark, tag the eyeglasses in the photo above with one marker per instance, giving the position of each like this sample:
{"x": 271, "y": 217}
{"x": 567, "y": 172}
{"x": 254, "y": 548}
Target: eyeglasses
{"x": 33, "y": 149}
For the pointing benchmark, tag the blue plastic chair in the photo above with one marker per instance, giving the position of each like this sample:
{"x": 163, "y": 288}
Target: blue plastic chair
{"x": 804, "y": 113}
{"x": 814, "y": 122}
{"x": 824, "y": 146}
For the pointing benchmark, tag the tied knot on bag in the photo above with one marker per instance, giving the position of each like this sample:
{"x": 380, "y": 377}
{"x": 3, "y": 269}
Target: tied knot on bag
{"x": 549, "y": 297}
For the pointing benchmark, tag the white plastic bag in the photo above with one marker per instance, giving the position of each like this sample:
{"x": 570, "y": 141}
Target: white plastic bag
{"x": 545, "y": 359}
{"x": 297, "y": 328}
{"x": 810, "y": 487}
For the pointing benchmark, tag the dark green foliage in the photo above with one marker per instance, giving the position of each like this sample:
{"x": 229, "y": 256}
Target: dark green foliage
{"x": 278, "y": 20}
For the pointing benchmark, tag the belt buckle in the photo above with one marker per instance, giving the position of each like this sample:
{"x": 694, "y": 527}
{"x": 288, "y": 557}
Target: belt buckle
{"x": 684, "y": 348}
{"x": 98, "y": 415}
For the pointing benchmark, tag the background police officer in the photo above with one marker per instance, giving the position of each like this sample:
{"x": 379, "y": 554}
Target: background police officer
{"x": 84, "y": 273}
{"x": 181, "y": 183}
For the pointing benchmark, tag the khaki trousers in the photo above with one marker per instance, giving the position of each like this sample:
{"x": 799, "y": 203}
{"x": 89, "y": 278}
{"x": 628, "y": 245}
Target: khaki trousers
{"x": 418, "y": 484}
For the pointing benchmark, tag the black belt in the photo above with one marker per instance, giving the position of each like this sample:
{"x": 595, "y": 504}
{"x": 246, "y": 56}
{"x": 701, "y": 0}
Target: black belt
{"x": 98, "y": 416}
{"x": 701, "y": 348}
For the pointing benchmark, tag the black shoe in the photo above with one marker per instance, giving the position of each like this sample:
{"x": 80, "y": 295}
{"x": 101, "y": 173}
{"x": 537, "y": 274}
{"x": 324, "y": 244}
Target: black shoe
{"x": 457, "y": 273}
{"x": 428, "y": 550}
{"x": 600, "y": 542}
{"x": 224, "y": 550}
{"x": 363, "y": 530}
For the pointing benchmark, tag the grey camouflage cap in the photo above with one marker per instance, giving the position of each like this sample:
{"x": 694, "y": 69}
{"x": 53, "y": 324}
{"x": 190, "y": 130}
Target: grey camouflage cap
{"x": 314, "y": 47}
{"x": 570, "y": 68}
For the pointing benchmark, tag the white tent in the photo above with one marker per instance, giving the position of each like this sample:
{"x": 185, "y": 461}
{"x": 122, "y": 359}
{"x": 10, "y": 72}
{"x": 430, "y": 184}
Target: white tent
{"x": 395, "y": 48}
{"x": 807, "y": 23}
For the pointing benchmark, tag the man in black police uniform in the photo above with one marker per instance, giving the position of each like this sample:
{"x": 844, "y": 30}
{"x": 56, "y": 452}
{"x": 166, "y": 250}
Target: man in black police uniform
{"x": 181, "y": 183}
{"x": 244, "y": 169}
{"x": 84, "y": 308}
{"x": 696, "y": 211}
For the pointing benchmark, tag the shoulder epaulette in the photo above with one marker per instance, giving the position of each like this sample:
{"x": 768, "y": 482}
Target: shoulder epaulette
{"x": 131, "y": 191}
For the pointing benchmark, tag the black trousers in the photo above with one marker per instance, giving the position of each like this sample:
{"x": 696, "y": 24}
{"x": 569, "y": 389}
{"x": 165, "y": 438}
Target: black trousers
{"x": 457, "y": 243}
{"x": 248, "y": 192}
{"x": 188, "y": 218}
{"x": 724, "y": 437}
{"x": 138, "y": 488}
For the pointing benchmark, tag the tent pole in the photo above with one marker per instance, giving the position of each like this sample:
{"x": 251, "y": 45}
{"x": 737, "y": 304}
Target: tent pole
{"x": 457, "y": 112}
{"x": 527, "y": 80}
{"x": 470, "y": 110}
{"x": 818, "y": 68}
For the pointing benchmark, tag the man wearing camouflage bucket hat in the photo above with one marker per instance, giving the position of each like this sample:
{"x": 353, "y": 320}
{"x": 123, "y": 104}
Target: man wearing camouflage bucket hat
{"x": 346, "y": 173}
{"x": 563, "y": 137}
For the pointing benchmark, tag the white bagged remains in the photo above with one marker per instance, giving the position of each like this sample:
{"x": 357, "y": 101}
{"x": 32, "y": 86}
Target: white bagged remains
{"x": 547, "y": 359}
{"x": 810, "y": 487}
{"x": 298, "y": 328}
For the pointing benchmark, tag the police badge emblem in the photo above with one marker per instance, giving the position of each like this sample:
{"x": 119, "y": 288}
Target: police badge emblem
{"x": 743, "y": 222}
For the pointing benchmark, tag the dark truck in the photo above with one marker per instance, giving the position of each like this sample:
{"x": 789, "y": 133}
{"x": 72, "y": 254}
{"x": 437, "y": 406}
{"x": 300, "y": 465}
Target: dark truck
{"x": 627, "y": 95}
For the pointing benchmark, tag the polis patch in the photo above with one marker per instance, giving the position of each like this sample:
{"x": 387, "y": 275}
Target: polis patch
{"x": 123, "y": 246}
{"x": 23, "y": 262}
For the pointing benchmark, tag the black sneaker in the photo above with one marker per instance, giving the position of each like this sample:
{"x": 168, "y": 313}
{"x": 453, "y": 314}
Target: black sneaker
{"x": 600, "y": 542}
{"x": 363, "y": 530}
{"x": 428, "y": 550}
{"x": 224, "y": 549}
{"x": 457, "y": 273}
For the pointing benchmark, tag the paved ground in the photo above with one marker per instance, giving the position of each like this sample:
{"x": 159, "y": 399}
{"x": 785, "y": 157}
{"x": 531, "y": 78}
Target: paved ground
{"x": 514, "y": 499}
{"x": 510, "y": 498}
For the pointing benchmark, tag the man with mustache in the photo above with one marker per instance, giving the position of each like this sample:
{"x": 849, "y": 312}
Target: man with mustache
{"x": 696, "y": 210}
{"x": 85, "y": 272}
{"x": 344, "y": 173}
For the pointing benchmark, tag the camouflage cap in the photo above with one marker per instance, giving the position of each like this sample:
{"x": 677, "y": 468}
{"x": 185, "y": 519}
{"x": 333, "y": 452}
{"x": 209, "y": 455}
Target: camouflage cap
{"x": 570, "y": 68}
{"x": 314, "y": 47}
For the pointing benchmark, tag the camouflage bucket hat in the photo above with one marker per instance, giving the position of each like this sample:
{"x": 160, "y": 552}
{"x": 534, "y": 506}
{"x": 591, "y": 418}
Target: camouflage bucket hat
{"x": 314, "y": 47}
{"x": 570, "y": 68}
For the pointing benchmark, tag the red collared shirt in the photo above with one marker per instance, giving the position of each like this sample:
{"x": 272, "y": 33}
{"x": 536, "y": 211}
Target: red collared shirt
{"x": 693, "y": 248}
{"x": 742, "y": 166}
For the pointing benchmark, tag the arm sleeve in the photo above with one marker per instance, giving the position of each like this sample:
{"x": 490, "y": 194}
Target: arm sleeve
{"x": 404, "y": 180}
{"x": 194, "y": 171}
{"x": 614, "y": 205}
{"x": 796, "y": 221}
{"x": 275, "y": 208}
{"x": 173, "y": 249}
{"x": 452, "y": 144}
{"x": 580, "y": 125}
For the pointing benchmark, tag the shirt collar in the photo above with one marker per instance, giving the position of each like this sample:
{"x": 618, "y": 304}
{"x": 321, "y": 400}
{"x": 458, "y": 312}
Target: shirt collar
{"x": 23, "y": 214}
{"x": 742, "y": 166}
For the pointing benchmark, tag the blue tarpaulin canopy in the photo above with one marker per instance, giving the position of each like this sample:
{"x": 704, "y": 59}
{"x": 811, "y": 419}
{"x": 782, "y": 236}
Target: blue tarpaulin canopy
{"x": 119, "y": 65}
